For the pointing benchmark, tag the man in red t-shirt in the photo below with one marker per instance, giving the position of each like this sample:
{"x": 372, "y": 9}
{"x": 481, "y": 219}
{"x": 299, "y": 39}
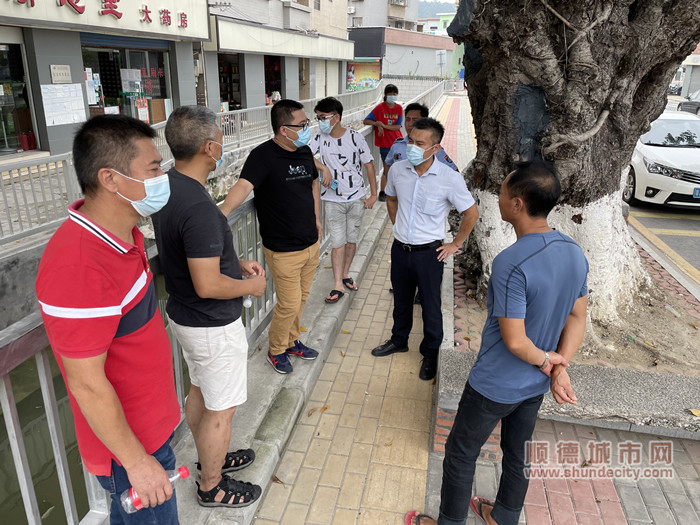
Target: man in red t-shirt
{"x": 386, "y": 118}
{"x": 99, "y": 308}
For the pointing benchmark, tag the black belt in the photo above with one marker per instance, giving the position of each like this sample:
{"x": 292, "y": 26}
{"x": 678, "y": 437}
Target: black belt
{"x": 418, "y": 247}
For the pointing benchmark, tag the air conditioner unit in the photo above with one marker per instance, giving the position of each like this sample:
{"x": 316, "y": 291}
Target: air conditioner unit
{"x": 351, "y": 10}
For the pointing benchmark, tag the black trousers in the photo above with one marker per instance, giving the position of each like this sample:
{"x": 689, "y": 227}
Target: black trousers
{"x": 476, "y": 418}
{"x": 410, "y": 270}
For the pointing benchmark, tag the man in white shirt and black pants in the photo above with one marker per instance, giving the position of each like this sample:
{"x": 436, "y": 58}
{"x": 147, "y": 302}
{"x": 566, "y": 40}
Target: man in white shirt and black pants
{"x": 419, "y": 194}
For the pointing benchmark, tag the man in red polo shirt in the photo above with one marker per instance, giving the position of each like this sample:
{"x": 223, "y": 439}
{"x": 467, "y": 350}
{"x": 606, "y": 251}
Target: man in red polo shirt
{"x": 100, "y": 311}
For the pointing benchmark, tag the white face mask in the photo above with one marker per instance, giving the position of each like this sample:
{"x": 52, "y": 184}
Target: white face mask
{"x": 157, "y": 194}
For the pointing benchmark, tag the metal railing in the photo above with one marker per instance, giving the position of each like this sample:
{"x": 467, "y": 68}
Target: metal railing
{"x": 249, "y": 126}
{"x": 27, "y": 340}
{"x": 35, "y": 194}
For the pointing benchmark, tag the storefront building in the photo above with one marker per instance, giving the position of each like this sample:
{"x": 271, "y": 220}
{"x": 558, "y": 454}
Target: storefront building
{"x": 260, "y": 55}
{"x": 63, "y": 61}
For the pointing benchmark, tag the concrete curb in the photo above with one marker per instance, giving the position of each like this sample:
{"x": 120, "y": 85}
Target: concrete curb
{"x": 275, "y": 402}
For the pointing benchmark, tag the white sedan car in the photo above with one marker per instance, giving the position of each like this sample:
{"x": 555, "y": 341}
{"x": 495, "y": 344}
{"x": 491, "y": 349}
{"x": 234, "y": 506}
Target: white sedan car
{"x": 665, "y": 166}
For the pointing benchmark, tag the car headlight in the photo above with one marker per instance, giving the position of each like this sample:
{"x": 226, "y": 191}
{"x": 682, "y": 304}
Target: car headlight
{"x": 653, "y": 167}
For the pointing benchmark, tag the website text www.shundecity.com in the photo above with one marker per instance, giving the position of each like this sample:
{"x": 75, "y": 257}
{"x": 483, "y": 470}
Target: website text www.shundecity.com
{"x": 568, "y": 460}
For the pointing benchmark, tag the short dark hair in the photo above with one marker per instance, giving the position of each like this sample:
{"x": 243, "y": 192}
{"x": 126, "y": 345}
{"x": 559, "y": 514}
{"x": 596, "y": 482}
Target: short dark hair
{"x": 188, "y": 128}
{"x": 106, "y": 141}
{"x": 329, "y": 105}
{"x": 390, "y": 88}
{"x": 283, "y": 113}
{"x": 415, "y": 106}
{"x": 433, "y": 125}
{"x": 537, "y": 183}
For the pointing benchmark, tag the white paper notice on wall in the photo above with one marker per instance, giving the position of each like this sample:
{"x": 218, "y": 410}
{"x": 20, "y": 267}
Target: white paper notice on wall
{"x": 63, "y": 104}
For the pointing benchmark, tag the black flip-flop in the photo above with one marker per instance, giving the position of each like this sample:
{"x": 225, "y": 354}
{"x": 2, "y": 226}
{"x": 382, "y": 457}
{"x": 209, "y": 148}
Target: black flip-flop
{"x": 475, "y": 504}
{"x": 349, "y": 283}
{"x": 335, "y": 296}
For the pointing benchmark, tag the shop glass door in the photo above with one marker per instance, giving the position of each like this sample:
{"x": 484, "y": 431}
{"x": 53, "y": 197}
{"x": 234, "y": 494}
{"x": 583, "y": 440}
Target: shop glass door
{"x": 16, "y": 129}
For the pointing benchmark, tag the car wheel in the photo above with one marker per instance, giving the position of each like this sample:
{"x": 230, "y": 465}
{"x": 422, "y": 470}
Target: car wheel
{"x": 630, "y": 186}
{"x": 698, "y": 112}
{"x": 679, "y": 108}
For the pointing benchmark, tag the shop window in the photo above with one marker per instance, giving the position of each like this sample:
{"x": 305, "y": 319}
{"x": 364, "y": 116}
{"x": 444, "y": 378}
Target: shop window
{"x": 16, "y": 131}
{"x": 145, "y": 86}
{"x": 229, "y": 82}
{"x": 273, "y": 78}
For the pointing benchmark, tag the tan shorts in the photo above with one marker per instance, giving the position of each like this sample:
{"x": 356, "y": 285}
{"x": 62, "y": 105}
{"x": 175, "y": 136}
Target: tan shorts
{"x": 344, "y": 221}
{"x": 217, "y": 358}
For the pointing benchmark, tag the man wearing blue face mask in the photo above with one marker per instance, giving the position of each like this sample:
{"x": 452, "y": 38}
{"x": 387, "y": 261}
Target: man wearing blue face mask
{"x": 420, "y": 192}
{"x": 99, "y": 307}
{"x": 204, "y": 280}
{"x": 344, "y": 152}
{"x": 287, "y": 201}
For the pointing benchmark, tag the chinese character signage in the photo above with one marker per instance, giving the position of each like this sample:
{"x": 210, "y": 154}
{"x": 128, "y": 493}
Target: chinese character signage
{"x": 179, "y": 19}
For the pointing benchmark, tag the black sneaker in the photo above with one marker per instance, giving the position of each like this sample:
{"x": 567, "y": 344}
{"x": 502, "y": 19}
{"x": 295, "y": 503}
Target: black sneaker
{"x": 382, "y": 197}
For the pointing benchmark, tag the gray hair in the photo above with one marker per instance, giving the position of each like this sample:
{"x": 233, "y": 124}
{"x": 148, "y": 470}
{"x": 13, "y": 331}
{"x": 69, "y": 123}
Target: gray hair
{"x": 188, "y": 128}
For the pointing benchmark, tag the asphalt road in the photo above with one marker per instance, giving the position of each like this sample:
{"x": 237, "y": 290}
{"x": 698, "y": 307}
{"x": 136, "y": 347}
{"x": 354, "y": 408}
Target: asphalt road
{"x": 674, "y": 232}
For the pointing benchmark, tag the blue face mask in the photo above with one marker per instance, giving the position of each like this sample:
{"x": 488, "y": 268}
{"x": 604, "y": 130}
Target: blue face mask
{"x": 414, "y": 154}
{"x": 303, "y": 137}
{"x": 157, "y": 194}
{"x": 325, "y": 126}
{"x": 391, "y": 99}
{"x": 221, "y": 159}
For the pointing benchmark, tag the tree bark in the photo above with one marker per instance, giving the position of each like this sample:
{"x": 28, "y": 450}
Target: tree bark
{"x": 575, "y": 83}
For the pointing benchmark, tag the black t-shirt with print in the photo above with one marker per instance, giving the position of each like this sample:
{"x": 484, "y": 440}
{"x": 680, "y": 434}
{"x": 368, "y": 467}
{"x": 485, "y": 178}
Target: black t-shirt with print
{"x": 191, "y": 226}
{"x": 283, "y": 184}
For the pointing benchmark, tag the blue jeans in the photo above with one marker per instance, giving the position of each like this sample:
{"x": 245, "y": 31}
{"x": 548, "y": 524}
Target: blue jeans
{"x": 118, "y": 482}
{"x": 476, "y": 418}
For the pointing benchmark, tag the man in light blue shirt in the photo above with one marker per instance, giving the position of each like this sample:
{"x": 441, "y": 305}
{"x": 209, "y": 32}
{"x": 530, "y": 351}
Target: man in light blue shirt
{"x": 419, "y": 194}
{"x": 413, "y": 113}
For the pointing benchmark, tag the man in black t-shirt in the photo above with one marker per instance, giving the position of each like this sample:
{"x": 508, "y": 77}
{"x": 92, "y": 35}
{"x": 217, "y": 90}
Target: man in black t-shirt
{"x": 287, "y": 200}
{"x": 204, "y": 280}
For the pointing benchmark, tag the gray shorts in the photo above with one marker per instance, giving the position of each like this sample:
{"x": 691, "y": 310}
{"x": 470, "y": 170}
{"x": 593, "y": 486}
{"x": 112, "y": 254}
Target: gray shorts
{"x": 344, "y": 221}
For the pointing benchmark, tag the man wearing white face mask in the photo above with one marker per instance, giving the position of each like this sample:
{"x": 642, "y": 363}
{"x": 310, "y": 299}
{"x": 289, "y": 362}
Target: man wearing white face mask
{"x": 203, "y": 277}
{"x": 99, "y": 307}
{"x": 287, "y": 201}
{"x": 344, "y": 152}
{"x": 420, "y": 192}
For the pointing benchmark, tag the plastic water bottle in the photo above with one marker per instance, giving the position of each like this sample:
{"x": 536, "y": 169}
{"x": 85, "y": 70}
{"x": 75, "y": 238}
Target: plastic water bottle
{"x": 247, "y": 302}
{"x": 131, "y": 501}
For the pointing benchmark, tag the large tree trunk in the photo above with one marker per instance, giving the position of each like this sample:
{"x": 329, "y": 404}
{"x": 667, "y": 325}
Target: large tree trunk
{"x": 575, "y": 82}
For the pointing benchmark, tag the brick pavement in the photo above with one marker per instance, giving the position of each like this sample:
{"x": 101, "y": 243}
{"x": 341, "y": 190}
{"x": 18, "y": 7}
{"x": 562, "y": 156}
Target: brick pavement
{"x": 364, "y": 459}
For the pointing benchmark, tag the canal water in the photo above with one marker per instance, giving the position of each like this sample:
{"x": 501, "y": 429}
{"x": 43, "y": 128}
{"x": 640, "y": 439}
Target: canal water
{"x": 37, "y": 440}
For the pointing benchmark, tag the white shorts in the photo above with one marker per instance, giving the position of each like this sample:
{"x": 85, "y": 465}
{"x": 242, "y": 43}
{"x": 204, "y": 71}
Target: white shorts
{"x": 217, "y": 358}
